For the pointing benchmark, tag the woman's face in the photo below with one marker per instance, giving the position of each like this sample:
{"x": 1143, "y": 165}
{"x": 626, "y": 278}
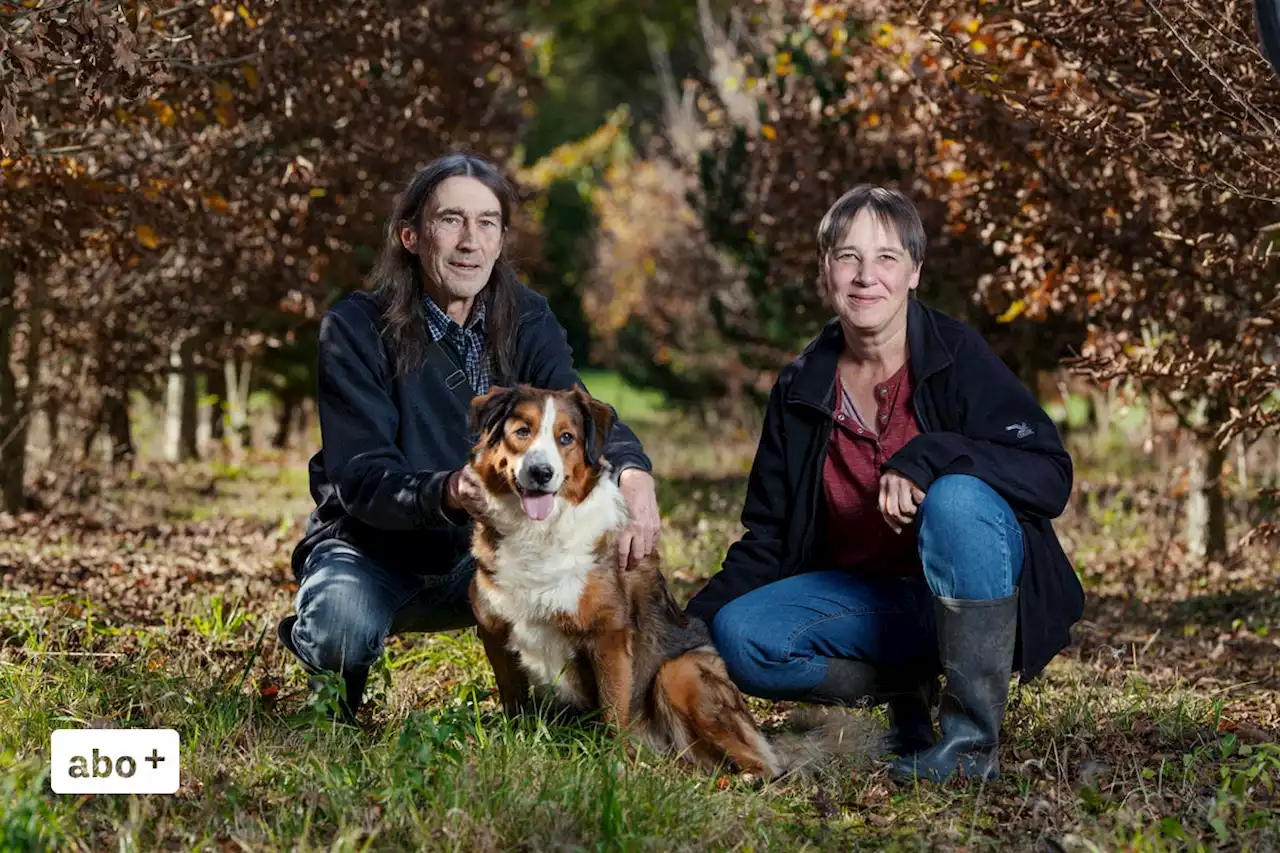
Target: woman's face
{"x": 868, "y": 276}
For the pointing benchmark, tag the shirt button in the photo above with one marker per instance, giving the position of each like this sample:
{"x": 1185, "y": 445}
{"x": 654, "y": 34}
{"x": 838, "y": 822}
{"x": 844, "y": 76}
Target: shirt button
{"x": 884, "y": 418}
{"x": 840, "y": 417}
{"x": 883, "y": 391}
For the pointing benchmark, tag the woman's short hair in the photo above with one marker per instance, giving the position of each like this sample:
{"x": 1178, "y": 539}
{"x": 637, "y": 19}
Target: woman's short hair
{"x": 891, "y": 207}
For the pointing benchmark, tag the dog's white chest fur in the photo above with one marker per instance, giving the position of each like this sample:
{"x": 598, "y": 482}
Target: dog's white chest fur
{"x": 541, "y": 570}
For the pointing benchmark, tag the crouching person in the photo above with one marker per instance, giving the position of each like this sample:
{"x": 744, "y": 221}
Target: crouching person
{"x": 387, "y": 548}
{"x": 898, "y": 514}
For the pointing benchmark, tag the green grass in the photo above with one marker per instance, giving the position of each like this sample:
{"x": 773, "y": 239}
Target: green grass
{"x": 437, "y": 766}
{"x": 453, "y": 774}
{"x": 632, "y": 404}
{"x": 156, "y": 608}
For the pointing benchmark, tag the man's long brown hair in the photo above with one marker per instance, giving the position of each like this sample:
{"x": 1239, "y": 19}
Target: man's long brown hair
{"x": 396, "y": 277}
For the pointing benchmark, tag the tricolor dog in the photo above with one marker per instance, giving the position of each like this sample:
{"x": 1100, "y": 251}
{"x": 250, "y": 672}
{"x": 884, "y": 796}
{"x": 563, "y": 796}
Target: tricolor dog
{"x": 556, "y": 612}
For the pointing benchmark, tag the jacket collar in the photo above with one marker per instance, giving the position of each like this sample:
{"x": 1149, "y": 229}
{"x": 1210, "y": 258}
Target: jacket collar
{"x": 929, "y": 353}
{"x": 815, "y": 380}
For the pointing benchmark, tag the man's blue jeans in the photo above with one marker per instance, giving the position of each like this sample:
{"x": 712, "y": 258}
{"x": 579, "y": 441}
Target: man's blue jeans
{"x": 347, "y": 605}
{"x": 776, "y": 640}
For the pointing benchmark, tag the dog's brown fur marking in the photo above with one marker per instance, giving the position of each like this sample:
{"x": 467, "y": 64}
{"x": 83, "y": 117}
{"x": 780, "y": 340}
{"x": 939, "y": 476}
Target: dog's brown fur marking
{"x": 484, "y": 547}
{"x": 599, "y": 608}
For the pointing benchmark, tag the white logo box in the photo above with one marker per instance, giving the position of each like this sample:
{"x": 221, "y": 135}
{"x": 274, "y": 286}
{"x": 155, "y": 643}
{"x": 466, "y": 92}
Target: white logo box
{"x": 115, "y": 761}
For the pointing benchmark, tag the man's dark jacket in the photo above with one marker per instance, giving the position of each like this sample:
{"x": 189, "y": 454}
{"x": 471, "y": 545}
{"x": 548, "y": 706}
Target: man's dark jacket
{"x": 389, "y": 443}
{"x": 975, "y": 417}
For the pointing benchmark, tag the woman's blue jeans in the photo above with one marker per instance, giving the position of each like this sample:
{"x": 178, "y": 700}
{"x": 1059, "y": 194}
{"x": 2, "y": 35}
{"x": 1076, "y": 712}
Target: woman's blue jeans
{"x": 776, "y": 640}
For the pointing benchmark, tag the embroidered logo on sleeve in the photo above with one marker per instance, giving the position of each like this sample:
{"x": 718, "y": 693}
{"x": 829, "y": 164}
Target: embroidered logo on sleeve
{"x": 1022, "y": 429}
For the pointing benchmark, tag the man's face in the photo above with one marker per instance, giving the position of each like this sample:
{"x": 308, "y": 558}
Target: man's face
{"x": 868, "y": 275}
{"x": 461, "y": 237}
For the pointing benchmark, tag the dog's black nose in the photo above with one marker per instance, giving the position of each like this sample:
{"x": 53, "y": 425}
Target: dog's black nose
{"x": 541, "y": 473}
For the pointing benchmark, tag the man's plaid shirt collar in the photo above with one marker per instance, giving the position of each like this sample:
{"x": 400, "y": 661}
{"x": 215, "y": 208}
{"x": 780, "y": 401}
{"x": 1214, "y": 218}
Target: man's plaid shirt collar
{"x": 468, "y": 341}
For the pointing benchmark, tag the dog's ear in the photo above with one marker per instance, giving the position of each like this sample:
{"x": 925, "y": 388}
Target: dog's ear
{"x": 489, "y": 410}
{"x": 597, "y": 422}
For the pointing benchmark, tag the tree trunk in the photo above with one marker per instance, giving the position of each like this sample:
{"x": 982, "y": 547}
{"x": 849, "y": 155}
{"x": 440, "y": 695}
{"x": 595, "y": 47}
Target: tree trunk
{"x": 27, "y": 403}
{"x": 1101, "y": 399}
{"x": 217, "y": 393}
{"x": 204, "y": 415}
{"x": 115, "y": 411}
{"x": 173, "y": 405}
{"x": 8, "y": 384}
{"x": 181, "y": 404}
{"x": 237, "y": 404}
{"x": 188, "y": 440}
{"x": 290, "y": 410}
{"x": 1242, "y": 462}
{"x": 1206, "y": 505}
{"x": 53, "y": 414}
{"x": 13, "y": 455}
{"x": 307, "y": 419}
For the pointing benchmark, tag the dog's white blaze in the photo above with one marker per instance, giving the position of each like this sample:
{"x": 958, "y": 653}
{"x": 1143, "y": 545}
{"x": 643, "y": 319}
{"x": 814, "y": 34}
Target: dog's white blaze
{"x": 543, "y": 449}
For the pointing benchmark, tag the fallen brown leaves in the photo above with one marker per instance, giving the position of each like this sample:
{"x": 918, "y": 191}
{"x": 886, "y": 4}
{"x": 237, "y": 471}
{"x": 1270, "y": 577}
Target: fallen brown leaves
{"x": 142, "y": 573}
{"x": 1213, "y": 627}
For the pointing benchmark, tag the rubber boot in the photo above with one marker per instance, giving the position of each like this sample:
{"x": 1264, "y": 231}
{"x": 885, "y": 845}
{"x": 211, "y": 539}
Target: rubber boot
{"x": 976, "y": 647}
{"x": 856, "y": 684}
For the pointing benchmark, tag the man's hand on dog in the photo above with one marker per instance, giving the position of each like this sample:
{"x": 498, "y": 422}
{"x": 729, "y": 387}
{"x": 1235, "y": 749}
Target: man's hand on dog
{"x": 464, "y": 492}
{"x": 640, "y": 537}
{"x": 899, "y": 500}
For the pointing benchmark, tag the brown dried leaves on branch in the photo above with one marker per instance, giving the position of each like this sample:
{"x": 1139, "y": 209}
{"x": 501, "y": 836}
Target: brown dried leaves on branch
{"x": 1104, "y": 174}
{"x": 220, "y": 172}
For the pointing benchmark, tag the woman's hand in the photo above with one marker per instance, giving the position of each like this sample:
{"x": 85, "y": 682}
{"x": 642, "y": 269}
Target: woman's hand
{"x": 899, "y": 500}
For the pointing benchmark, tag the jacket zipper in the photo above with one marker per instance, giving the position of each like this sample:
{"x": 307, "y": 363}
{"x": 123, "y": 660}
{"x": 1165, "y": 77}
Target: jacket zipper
{"x": 926, "y": 421}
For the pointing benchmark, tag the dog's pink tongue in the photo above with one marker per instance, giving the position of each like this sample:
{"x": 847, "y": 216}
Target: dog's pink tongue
{"x": 538, "y": 505}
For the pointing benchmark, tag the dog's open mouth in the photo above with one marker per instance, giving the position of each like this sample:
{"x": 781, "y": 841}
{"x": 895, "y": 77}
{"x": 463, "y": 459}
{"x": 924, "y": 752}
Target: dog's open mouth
{"x": 537, "y": 505}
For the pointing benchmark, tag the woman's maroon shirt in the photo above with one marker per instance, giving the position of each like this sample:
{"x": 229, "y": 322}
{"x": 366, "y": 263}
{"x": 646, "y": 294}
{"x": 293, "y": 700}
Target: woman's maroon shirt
{"x": 857, "y": 532}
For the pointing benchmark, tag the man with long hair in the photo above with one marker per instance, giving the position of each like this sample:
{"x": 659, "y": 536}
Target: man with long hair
{"x": 387, "y": 548}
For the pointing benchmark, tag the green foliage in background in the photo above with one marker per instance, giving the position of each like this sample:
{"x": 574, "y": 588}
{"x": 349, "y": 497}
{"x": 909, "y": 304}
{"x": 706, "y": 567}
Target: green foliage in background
{"x": 593, "y": 55}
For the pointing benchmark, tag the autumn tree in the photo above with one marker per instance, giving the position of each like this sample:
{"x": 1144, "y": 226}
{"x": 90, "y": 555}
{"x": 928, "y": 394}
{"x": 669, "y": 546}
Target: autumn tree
{"x": 214, "y": 202}
{"x": 718, "y": 257}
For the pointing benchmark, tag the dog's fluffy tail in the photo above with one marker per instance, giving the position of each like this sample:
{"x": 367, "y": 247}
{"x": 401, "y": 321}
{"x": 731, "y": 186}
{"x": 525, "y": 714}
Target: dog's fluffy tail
{"x": 700, "y": 713}
{"x": 818, "y": 737}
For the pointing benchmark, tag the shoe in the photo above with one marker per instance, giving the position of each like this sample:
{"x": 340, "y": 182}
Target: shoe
{"x": 857, "y": 684}
{"x": 355, "y": 680}
{"x": 285, "y": 632}
{"x": 976, "y": 646}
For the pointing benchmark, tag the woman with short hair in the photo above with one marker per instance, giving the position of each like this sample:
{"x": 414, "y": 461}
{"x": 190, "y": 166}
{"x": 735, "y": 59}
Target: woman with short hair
{"x": 898, "y": 513}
